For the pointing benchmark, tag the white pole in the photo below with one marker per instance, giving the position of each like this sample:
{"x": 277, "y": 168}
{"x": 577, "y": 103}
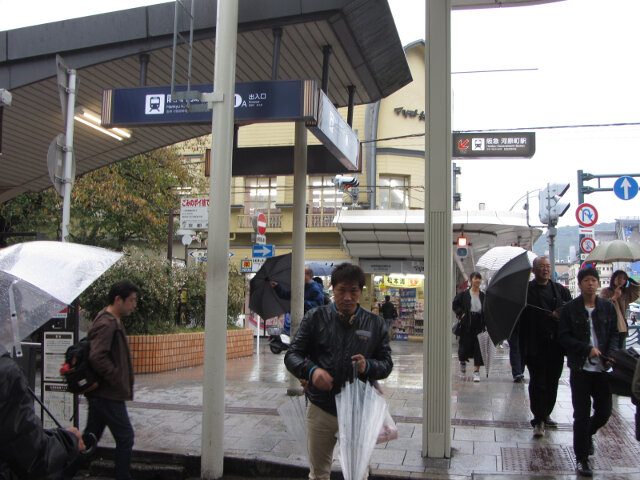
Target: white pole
{"x": 299, "y": 243}
{"x": 436, "y": 402}
{"x": 68, "y": 156}
{"x": 215, "y": 350}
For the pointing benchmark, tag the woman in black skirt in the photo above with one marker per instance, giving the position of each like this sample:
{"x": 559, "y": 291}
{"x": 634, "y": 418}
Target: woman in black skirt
{"x": 468, "y": 308}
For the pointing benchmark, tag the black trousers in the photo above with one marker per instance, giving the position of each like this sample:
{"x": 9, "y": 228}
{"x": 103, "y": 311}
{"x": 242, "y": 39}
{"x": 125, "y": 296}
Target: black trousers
{"x": 584, "y": 387}
{"x": 544, "y": 373}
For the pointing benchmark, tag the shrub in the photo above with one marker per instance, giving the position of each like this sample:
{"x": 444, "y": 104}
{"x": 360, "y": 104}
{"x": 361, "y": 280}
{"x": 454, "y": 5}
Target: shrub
{"x": 160, "y": 286}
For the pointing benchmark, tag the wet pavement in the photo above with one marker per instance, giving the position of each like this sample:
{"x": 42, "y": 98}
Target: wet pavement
{"x": 491, "y": 435}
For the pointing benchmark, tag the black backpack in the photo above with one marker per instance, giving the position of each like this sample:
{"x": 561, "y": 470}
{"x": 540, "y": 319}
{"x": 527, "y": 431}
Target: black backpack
{"x": 620, "y": 378}
{"x": 77, "y": 369}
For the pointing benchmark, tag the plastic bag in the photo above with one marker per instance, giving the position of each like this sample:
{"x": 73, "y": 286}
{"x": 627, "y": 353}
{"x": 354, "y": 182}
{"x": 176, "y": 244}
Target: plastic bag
{"x": 389, "y": 431}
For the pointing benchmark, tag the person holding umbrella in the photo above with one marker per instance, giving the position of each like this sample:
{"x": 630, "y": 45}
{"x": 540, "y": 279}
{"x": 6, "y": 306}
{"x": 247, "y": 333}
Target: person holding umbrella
{"x": 622, "y": 290}
{"x": 588, "y": 330}
{"x": 331, "y": 338}
{"x": 313, "y": 293}
{"x": 26, "y": 449}
{"x": 543, "y": 355}
{"x": 467, "y": 306}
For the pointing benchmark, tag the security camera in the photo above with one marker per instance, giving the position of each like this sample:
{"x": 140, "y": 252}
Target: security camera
{"x": 5, "y": 98}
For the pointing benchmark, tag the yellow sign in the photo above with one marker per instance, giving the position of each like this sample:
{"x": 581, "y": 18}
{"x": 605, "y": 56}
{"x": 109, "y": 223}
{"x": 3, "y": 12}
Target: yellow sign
{"x": 402, "y": 282}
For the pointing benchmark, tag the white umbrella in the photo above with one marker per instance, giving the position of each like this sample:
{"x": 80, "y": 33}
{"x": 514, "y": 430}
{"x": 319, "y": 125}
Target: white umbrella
{"x": 361, "y": 412}
{"x": 293, "y": 413}
{"x": 487, "y": 350}
{"x": 38, "y": 278}
{"x": 496, "y": 257}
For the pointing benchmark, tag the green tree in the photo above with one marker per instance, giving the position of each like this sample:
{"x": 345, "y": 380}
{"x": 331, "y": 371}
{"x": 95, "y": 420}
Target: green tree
{"x": 119, "y": 203}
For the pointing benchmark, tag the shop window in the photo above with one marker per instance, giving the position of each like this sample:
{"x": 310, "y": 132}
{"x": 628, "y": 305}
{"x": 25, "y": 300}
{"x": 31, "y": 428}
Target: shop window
{"x": 393, "y": 193}
{"x": 260, "y": 195}
{"x": 324, "y": 198}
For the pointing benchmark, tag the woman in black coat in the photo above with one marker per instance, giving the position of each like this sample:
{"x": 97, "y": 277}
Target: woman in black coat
{"x": 468, "y": 307}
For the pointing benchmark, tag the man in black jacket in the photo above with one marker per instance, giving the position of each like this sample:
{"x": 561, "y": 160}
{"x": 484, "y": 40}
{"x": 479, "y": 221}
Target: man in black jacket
{"x": 388, "y": 311}
{"x": 329, "y": 339}
{"x": 543, "y": 355}
{"x": 588, "y": 331}
{"x": 26, "y": 449}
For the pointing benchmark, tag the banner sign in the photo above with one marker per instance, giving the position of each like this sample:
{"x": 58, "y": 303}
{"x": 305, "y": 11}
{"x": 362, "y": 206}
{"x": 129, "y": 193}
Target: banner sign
{"x": 271, "y": 101}
{"x": 336, "y": 134}
{"x": 494, "y": 144}
{"x": 402, "y": 282}
{"x": 194, "y": 213}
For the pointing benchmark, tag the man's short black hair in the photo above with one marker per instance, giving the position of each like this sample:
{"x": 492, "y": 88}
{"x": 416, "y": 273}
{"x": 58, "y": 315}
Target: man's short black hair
{"x": 387, "y": 298}
{"x": 588, "y": 272}
{"x": 347, "y": 272}
{"x": 121, "y": 289}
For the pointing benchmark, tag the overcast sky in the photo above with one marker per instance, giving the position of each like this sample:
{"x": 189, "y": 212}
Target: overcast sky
{"x": 584, "y": 53}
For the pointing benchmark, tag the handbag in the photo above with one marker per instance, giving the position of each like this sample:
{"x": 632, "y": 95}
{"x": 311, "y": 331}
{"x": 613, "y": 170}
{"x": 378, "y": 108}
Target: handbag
{"x": 456, "y": 329}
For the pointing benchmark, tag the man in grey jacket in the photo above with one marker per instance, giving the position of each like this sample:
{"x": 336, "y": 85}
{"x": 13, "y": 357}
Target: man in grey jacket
{"x": 330, "y": 339}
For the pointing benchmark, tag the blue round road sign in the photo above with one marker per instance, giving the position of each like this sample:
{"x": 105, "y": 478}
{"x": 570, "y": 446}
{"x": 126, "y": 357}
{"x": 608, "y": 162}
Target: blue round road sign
{"x": 625, "y": 188}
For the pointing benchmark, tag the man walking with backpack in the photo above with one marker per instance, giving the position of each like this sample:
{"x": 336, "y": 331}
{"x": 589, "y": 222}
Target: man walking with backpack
{"x": 111, "y": 360}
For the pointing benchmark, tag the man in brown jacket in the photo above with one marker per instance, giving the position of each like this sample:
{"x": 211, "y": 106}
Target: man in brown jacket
{"x": 111, "y": 360}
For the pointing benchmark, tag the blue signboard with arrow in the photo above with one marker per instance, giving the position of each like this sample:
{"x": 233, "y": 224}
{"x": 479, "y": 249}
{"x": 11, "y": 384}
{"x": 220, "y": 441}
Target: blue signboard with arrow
{"x": 625, "y": 188}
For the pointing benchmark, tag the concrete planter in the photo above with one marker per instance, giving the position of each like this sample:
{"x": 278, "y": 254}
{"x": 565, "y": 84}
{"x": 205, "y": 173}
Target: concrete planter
{"x": 159, "y": 353}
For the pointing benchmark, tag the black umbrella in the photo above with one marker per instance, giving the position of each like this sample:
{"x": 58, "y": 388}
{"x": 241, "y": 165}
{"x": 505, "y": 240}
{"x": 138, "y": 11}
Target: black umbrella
{"x": 263, "y": 299}
{"x": 506, "y": 297}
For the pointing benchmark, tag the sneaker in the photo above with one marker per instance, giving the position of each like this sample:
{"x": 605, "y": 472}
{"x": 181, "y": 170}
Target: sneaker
{"x": 583, "y": 468}
{"x": 538, "y": 430}
{"x": 549, "y": 422}
{"x": 463, "y": 368}
{"x": 476, "y": 376}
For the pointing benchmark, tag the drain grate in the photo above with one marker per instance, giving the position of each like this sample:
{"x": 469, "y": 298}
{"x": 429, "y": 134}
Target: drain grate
{"x": 538, "y": 459}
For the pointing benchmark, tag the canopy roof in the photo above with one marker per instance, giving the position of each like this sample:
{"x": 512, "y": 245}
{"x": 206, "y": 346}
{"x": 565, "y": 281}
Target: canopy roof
{"x": 105, "y": 49}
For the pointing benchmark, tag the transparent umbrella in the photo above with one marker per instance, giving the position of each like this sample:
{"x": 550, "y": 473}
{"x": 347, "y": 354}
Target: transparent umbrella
{"x": 294, "y": 413}
{"x": 361, "y": 412}
{"x": 487, "y": 350}
{"x": 496, "y": 257}
{"x": 37, "y": 278}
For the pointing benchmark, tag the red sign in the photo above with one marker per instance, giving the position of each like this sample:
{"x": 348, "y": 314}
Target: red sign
{"x": 261, "y": 223}
{"x": 463, "y": 144}
{"x": 587, "y": 265}
{"x": 586, "y": 215}
{"x": 587, "y": 244}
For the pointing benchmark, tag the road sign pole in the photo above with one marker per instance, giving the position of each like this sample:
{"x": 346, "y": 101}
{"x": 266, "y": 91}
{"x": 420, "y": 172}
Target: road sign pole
{"x": 68, "y": 155}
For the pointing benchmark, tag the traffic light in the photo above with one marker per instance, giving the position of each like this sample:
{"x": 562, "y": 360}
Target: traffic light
{"x": 463, "y": 246}
{"x": 343, "y": 183}
{"x": 552, "y": 206}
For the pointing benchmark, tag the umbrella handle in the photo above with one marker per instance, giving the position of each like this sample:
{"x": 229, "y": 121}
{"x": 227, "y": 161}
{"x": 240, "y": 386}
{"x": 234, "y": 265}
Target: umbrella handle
{"x": 17, "y": 348}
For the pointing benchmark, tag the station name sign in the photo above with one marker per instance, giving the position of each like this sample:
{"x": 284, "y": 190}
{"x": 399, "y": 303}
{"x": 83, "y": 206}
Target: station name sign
{"x": 270, "y": 101}
{"x": 494, "y": 145}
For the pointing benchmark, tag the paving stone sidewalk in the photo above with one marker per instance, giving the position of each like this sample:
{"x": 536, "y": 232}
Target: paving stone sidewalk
{"x": 491, "y": 434}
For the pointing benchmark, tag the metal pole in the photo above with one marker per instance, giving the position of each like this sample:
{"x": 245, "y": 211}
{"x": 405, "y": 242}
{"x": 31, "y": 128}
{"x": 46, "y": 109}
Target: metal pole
{"x": 580, "y": 192}
{"x": 144, "y": 68}
{"x": 275, "y": 61}
{"x": 438, "y": 262}
{"x": 68, "y": 156}
{"x": 327, "y": 50}
{"x": 352, "y": 94}
{"x": 551, "y": 235}
{"x": 298, "y": 237}
{"x": 170, "y": 239}
{"x": 215, "y": 350}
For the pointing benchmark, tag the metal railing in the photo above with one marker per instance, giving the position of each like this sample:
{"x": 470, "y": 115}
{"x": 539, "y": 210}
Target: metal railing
{"x": 274, "y": 220}
{"x": 320, "y": 220}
